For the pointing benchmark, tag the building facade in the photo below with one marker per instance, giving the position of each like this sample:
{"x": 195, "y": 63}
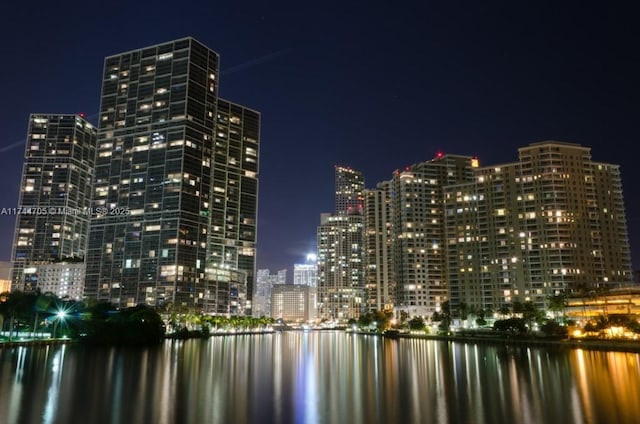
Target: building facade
{"x": 52, "y": 223}
{"x": 306, "y": 274}
{"x": 293, "y": 303}
{"x": 551, "y": 223}
{"x": 340, "y": 253}
{"x": 349, "y": 187}
{"x": 591, "y": 306}
{"x": 378, "y": 266}
{"x": 265, "y": 281}
{"x": 64, "y": 279}
{"x": 176, "y": 184}
{"x": 5, "y": 276}
{"x": 418, "y": 231}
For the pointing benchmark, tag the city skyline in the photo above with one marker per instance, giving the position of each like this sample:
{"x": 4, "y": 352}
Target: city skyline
{"x": 382, "y": 90}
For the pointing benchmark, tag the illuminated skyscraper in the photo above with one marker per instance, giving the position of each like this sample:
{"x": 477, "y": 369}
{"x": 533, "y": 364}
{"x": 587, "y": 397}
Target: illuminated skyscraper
{"x": 265, "y": 281}
{"x": 378, "y": 266}
{"x": 349, "y": 191}
{"x": 55, "y": 195}
{"x": 419, "y": 240}
{"x": 306, "y": 274}
{"x": 340, "y": 250}
{"x": 176, "y": 184}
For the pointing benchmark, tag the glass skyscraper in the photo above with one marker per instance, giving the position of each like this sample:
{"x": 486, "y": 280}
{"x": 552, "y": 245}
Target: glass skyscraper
{"x": 176, "y": 184}
{"x": 53, "y": 212}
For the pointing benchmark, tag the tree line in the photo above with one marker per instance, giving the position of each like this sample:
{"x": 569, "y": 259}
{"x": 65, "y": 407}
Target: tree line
{"x": 40, "y": 315}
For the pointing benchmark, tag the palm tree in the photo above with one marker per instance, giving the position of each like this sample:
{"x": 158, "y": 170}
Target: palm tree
{"x": 42, "y": 304}
{"x": 464, "y": 311}
{"x": 445, "y": 322}
{"x": 505, "y": 310}
{"x": 557, "y": 304}
{"x": 518, "y": 307}
{"x": 480, "y": 321}
{"x": 603, "y": 292}
{"x": 13, "y": 307}
{"x": 530, "y": 313}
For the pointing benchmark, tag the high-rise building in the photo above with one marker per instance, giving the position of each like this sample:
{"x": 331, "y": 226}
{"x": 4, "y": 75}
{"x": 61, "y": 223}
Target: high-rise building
{"x": 553, "y": 222}
{"x": 341, "y": 251}
{"x": 265, "y": 281}
{"x": 261, "y": 302}
{"x": 306, "y": 274}
{"x": 176, "y": 184}
{"x": 378, "y": 257}
{"x": 419, "y": 244}
{"x": 53, "y": 210}
{"x": 349, "y": 191}
{"x": 280, "y": 277}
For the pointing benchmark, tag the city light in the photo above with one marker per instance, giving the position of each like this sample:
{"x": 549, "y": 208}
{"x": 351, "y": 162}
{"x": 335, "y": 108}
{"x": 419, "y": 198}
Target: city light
{"x": 59, "y": 317}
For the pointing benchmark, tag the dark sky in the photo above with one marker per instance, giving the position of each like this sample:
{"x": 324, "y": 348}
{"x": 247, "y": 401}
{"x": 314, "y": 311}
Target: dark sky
{"x": 375, "y": 86}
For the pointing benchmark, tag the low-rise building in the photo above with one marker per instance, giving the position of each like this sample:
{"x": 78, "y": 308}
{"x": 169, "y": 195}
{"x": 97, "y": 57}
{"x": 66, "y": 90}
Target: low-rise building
{"x": 293, "y": 303}
{"x": 64, "y": 279}
{"x": 619, "y": 301}
{"x": 5, "y": 276}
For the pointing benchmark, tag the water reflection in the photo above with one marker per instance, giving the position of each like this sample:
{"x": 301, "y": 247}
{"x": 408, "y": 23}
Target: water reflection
{"x": 317, "y": 377}
{"x": 54, "y": 387}
{"x": 602, "y": 379}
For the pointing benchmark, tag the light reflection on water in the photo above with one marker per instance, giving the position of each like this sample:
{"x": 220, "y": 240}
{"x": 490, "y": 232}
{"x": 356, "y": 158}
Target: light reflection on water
{"x": 317, "y": 377}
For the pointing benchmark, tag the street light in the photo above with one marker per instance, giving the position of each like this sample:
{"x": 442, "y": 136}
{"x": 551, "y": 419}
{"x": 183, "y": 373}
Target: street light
{"x": 59, "y": 317}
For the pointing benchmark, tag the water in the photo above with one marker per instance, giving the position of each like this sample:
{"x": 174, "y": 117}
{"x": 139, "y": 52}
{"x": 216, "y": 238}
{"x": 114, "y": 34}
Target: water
{"x": 317, "y": 377}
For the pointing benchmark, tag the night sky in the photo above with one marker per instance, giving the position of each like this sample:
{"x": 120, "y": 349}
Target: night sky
{"x": 373, "y": 86}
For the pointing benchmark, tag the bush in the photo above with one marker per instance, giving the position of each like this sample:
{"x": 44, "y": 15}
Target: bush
{"x": 416, "y": 323}
{"x": 553, "y": 329}
{"x": 137, "y": 325}
{"x": 511, "y": 325}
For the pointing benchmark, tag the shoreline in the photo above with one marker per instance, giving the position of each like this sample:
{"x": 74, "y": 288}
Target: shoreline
{"x": 40, "y": 342}
{"x": 627, "y": 346}
{"x": 605, "y": 345}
